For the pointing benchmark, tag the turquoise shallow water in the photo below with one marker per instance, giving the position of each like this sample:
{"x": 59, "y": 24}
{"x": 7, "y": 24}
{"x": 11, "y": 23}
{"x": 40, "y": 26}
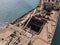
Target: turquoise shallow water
{"x": 10, "y": 10}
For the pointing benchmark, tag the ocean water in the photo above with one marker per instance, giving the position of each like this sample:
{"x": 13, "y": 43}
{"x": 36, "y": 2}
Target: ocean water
{"x": 10, "y": 10}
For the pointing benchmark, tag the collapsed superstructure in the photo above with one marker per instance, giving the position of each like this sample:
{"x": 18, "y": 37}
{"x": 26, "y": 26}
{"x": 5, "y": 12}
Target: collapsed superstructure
{"x": 34, "y": 28}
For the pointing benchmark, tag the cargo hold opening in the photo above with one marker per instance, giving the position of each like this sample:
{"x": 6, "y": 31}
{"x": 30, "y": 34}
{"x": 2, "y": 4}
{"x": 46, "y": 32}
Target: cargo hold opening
{"x": 36, "y": 24}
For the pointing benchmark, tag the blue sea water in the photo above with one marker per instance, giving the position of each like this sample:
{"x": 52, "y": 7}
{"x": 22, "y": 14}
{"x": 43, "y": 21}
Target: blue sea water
{"x": 10, "y": 10}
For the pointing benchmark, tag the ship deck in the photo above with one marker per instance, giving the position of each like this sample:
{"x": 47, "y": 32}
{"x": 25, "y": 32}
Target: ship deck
{"x": 43, "y": 38}
{"x": 34, "y": 28}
